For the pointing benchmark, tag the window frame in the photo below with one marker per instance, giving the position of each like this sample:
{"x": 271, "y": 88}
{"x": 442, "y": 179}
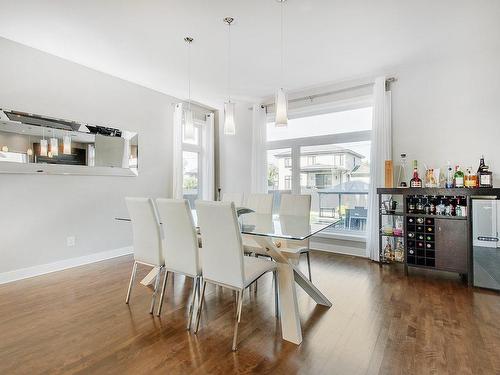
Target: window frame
{"x": 295, "y": 144}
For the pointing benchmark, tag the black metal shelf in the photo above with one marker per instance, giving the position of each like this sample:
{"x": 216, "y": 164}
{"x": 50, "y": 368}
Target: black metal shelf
{"x": 437, "y": 216}
{"x": 392, "y": 214}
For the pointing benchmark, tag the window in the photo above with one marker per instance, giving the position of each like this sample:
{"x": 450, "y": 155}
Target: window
{"x": 327, "y": 156}
{"x": 279, "y": 174}
{"x": 191, "y": 165}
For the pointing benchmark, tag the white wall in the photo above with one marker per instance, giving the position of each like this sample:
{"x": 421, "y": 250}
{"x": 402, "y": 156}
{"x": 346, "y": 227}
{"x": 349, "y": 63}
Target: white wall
{"x": 38, "y": 212}
{"x": 236, "y": 152}
{"x": 449, "y": 110}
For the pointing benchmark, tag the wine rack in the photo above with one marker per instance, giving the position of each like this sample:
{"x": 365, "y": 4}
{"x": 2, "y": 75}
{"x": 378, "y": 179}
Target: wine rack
{"x": 437, "y": 232}
{"x": 420, "y": 235}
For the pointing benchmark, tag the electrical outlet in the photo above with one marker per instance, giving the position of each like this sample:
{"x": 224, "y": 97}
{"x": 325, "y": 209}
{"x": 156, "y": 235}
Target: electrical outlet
{"x": 70, "y": 241}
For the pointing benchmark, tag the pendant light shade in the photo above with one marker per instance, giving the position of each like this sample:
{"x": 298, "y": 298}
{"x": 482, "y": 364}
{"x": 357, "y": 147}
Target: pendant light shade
{"x": 189, "y": 125}
{"x": 54, "y": 146}
{"x": 281, "y": 102}
{"x": 229, "y": 125}
{"x": 67, "y": 144}
{"x": 43, "y": 147}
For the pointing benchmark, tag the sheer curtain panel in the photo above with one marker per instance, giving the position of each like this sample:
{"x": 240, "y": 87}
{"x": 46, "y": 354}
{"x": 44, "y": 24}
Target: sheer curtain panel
{"x": 207, "y": 160}
{"x": 381, "y": 150}
{"x": 177, "y": 153}
{"x": 259, "y": 159}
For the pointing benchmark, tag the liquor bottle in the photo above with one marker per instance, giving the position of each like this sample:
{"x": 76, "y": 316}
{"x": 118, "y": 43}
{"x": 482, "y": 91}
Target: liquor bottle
{"x": 415, "y": 181}
{"x": 470, "y": 179}
{"x": 419, "y": 208}
{"x": 433, "y": 206}
{"x": 449, "y": 177}
{"x": 458, "y": 177}
{"x": 411, "y": 205}
{"x": 484, "y": 176}
{"x": 427, "y": 208}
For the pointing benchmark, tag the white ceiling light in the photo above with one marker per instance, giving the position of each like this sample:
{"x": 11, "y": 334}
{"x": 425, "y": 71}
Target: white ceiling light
{"x": 281, "y": 101}
{"x": 229, "y": 124}
{"x": 188, "y": 114}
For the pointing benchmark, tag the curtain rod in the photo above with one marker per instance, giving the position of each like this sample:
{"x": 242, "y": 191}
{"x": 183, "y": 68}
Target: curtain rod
{"x": 388, "y": 81}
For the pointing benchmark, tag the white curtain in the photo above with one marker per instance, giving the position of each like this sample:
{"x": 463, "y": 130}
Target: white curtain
{"x": 259, "y": 156}
{"x": 177, "y": 153}
{"x": 207, "y": 163}
{"x": 381, "y": 150}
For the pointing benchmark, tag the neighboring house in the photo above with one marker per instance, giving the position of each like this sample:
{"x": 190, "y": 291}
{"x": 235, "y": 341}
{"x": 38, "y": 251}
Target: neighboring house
{"x": 319, "y": 169}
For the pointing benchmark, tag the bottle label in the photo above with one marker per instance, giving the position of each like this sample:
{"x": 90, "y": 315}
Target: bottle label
{"x": 485, "y": 179}
{"x": 459, "y": 181}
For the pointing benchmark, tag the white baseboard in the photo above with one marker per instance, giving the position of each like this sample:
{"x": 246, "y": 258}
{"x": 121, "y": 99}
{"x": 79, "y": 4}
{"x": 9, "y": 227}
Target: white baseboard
{"x": 24, "y": 273}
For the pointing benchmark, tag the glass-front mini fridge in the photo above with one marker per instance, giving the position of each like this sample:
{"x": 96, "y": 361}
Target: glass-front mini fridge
{"x": 485, "y": 242}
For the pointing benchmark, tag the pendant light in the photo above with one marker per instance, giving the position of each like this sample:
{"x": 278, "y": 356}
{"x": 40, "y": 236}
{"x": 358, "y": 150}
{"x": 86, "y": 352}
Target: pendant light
{"x": 229, "y": 125}
{"x": 67, "y": 144}
{"x": 43, "y": 144}
{"x": 281, "y": 101}
{"x": 188, "y": 114}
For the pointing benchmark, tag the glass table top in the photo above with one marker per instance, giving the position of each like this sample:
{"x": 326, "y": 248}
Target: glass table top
{"x": 278, "y": 226}
{"x": 282, "y": 226}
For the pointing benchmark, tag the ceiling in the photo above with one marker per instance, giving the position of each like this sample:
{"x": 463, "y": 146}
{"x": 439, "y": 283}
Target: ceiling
{"x": 326, "y": 41}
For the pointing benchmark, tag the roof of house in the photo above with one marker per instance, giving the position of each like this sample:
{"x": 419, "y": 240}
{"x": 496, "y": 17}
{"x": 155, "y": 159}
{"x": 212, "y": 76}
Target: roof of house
{"x": 347, "y": 187}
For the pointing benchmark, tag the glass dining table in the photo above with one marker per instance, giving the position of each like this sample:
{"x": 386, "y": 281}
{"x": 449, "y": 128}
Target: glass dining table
{"x": 274, "y": 234}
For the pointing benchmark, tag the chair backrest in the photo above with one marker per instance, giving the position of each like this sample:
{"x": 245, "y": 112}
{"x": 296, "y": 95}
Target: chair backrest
{"x": 146, "y": 231}
{"x": 181, "y": 241}
{"x": 260, "y": 203}
{"x": 237, "y": 198}
{"x": 222, "y": 254}
{"x": 295, "y": 204}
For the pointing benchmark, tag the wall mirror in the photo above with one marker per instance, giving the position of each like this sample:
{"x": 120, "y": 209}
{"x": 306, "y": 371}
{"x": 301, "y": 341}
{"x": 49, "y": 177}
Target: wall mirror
{"x": 39, "y": 144}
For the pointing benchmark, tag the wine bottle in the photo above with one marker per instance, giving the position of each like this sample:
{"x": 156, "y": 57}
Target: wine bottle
{"x": 415, "y": 181}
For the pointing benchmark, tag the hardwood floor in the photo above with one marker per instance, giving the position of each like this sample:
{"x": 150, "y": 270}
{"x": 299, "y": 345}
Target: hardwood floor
{"x": 76, "y": 321}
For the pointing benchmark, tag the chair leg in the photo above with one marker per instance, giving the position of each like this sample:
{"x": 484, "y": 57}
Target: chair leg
{"x": 157, "y": 284}
{"x": 276, "y": 296}
{"x": 158, "y": 312}
{"x": 193, "y": 298}
{"x": 132, "y": 279}
{"x": 200, "y": 305}
{"x": 238, "y": 317}
{"x": 309, "y": 266}
{"x": 255, "y": 282}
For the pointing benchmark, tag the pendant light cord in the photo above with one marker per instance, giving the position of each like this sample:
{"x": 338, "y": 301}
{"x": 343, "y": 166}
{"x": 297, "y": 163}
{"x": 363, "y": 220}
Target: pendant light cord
{"x": 229, "y": 62}
{"x": 282, "y": 32}
{"x": 189, "y": 75}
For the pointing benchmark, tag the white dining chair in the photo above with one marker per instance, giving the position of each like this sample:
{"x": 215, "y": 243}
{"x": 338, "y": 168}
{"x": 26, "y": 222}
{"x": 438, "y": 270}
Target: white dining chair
{"x": 237, "y": 198}
{"x": 297, "y": 205}
{"x": 181, "y": 246}
{"x": 261, "y": 204}
{"x": 147, "y": 240}
{"x": 222, "y": 256}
